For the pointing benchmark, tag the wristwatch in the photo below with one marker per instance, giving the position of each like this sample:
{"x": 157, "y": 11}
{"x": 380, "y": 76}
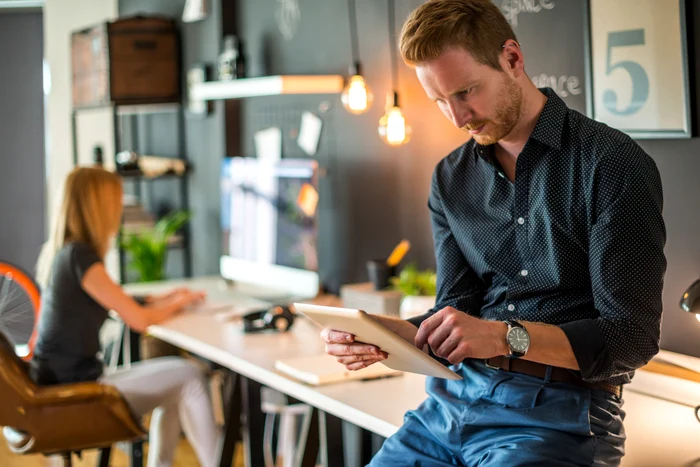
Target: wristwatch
{"x": 517, "y": 339}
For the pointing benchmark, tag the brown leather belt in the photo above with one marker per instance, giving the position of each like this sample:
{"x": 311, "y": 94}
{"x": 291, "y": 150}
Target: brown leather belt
{"x": 539, "y": 370}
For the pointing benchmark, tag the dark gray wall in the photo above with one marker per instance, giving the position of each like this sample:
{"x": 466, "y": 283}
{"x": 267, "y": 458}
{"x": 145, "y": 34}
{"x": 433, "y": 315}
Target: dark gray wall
{"x": 21, "y": 138}
{"x": 374, "y": 195}
{"x": 205, "y": 139}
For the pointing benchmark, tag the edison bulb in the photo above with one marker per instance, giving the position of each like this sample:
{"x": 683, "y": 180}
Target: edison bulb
{"x": 393, "y": 128}
{"x": 356, "y": 96}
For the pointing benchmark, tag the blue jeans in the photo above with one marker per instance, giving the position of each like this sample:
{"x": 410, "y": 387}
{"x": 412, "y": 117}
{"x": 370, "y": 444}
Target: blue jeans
{"x": 497, "y": 418}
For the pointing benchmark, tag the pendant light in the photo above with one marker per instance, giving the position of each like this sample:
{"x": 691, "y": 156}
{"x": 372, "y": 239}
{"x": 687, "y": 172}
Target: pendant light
{"x": 392, "y": 126}
{"x": 356, "y": 96}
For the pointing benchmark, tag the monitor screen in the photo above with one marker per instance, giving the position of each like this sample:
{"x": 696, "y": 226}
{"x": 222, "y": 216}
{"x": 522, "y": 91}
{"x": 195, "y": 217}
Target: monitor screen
{"x": 269, "y": 211}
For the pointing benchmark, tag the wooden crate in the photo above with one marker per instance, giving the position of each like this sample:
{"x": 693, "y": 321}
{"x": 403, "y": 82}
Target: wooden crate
{"x": 129, "y": 61}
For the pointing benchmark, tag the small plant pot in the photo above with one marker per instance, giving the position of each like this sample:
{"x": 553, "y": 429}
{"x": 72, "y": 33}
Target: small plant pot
{"x": 414, "y": 305}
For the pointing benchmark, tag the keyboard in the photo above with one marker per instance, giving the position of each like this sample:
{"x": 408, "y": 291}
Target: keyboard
{"x": 231, "y": 309}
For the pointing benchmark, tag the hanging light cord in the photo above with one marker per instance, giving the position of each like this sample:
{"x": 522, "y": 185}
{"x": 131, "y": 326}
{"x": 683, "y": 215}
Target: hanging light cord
{"x": 392, "y": 47}
{"x": 354, "y": 47}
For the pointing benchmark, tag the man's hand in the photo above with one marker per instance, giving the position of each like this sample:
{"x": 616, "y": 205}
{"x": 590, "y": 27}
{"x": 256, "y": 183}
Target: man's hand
{"x": 354, "y": 355}
{"x": 455, "y": 336}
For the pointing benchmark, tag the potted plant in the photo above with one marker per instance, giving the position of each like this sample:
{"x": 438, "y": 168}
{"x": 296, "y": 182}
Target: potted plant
{"x": 418, "y": 289}
{"x": 148, "y": 249}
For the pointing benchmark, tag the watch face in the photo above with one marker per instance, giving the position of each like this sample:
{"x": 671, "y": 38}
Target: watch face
{"x": 518, "y": 339}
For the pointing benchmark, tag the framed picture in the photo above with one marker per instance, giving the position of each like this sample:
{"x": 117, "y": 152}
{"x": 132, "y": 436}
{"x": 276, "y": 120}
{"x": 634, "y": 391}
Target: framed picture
{"x": 638, "y": 67}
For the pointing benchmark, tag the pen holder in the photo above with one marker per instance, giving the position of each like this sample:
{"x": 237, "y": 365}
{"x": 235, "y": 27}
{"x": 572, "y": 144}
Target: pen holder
{"x": 379, "y": 273}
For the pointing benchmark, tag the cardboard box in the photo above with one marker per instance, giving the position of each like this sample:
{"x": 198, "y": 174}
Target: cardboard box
{"x": 364, "y": 297}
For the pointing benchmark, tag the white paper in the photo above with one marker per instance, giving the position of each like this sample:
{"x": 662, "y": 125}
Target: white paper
{"x": 268, "y": 145}
{"x": 195, "y": 10}
{"x": 309, "y": 133}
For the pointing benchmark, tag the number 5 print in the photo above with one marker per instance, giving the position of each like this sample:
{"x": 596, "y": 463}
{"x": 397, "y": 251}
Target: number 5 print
{"x": 640, "y": 80}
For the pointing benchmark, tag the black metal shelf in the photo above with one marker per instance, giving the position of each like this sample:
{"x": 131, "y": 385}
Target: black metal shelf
{"x": 132, "y": 111}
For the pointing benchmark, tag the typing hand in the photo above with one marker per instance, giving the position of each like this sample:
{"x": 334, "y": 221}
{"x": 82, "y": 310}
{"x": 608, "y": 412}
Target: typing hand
{"x": 165, "y": 296}
{"x": 188, "y": 298}
{"x": 455, "y": 335}
{"x": 354, "y": 355}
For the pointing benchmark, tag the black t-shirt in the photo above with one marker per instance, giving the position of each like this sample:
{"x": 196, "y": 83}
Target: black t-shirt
{"x": 69, "y": 323}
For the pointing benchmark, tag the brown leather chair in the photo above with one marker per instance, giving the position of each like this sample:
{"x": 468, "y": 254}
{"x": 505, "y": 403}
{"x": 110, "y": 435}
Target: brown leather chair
{"x": 59, "y": 419}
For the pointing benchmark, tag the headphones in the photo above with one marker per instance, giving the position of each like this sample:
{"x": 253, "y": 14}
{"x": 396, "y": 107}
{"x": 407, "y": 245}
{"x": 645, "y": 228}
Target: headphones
{"x": 278, "y": 318}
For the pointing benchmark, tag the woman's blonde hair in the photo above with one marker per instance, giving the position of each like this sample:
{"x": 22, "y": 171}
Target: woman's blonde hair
{"x": 478, "y": 26}
{"x": 90, "y": 212}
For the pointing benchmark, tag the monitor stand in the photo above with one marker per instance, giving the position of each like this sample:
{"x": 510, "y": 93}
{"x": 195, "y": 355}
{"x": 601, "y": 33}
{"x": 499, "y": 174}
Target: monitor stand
{"x": 268, "y": 282}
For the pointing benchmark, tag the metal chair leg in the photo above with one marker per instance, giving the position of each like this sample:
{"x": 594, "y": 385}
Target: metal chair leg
{"x": 103, "y": 459}
{"x": 67, "y": 459}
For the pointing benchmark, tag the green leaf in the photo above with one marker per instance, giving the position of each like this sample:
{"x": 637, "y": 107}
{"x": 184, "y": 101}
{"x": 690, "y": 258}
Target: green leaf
{"x": 148, "y": 250}
{"x": 411, "y": 281}
{"x": 171, "y": 223}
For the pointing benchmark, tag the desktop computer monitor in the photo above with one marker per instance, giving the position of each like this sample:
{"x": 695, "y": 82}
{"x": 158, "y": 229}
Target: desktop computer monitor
{"x": 269, "y": 224}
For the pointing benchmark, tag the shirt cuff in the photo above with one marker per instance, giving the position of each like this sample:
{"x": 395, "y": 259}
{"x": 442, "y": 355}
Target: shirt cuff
{"x": 589, "y": 346}
{"x": 417, "y": 320}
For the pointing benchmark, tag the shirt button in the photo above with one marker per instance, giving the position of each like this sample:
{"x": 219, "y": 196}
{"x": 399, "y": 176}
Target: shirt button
{"x": 521, "y": 221}
{"x": 500, "y": 174}
{"x": 523, "y": 272}
{"x": 511, "y": 307}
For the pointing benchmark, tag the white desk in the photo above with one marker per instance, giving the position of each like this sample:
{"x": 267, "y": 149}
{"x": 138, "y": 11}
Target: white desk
{"x": 659, "y": 432}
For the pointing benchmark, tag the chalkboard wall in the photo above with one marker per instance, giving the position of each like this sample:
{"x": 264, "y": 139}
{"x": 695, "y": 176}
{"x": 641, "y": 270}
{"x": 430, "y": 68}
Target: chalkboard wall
{"x": 375, "y": 195}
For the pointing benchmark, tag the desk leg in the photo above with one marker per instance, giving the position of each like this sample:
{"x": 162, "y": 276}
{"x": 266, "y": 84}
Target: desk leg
{"x": 366, "y": 453}
{"x": 332, "y": 447}
{"x": 134, "y": 355}
{"x": 103, "y": 459}
{"x": 311, "y": 443}
{"x": 254, "y": 424}
{"x": 232, "y": 424}
{"x": 136, "y": 454}
{"x": 371, "y": 444}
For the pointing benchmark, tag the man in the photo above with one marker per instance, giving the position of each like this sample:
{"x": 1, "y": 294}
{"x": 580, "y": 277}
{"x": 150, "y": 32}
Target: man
{"x": 549, "y": 245}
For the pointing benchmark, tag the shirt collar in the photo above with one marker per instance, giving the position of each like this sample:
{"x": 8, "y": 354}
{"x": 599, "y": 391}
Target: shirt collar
{"x": 549, "y": 128}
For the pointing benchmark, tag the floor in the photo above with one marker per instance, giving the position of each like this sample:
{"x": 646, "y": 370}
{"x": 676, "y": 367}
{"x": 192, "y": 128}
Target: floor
{"x": 184, "y": 457}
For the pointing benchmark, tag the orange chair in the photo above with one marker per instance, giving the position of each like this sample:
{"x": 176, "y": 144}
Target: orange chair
{"x": 19, "y": 296}
{"x": 59, "y": 419}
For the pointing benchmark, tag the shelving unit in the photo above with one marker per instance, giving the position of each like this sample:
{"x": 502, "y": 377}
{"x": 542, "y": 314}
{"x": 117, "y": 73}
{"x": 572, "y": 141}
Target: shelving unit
{"x": 132, "y": 111}
{"x": 266, "y": 86}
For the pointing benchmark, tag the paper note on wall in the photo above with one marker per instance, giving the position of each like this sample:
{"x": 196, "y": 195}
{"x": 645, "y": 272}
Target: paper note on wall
{"x": 268, "y": 145}
{"x": 309, "y": 133}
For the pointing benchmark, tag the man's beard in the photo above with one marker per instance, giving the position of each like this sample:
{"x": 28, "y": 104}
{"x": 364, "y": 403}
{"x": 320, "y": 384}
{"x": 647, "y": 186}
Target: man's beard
{"x": 508, "y": 106}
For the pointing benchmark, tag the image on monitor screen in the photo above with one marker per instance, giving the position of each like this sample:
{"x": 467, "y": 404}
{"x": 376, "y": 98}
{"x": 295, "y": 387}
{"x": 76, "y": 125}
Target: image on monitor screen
{"x": 269, "y": 211}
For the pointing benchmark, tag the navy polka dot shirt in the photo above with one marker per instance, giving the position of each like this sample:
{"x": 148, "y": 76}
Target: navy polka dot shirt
{"x": 576, "y": 241}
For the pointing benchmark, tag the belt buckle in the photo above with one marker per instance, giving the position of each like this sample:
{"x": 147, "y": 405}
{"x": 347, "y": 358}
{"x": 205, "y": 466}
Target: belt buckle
{"x": 486, "y": 362}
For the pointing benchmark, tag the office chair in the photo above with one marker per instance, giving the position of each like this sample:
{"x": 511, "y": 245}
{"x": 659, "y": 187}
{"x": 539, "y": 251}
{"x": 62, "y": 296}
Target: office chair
{"x": 294, "y": 424}
{"x": 19, "y": 308}
{"x": 60, "y": 419}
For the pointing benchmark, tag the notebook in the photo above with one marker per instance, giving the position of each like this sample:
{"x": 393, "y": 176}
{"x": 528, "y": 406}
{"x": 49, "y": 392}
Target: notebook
{"x": 324, "y": 369}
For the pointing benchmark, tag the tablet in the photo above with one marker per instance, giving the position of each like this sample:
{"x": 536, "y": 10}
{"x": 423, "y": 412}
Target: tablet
{"x": 403, "y": 356}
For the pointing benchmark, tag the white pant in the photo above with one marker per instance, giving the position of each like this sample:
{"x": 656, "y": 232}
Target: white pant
{"x": 176, "y": 390}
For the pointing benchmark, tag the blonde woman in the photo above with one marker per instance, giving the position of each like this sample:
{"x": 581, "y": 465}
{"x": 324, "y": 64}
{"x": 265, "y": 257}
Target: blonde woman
{"x": 77, "y": 292}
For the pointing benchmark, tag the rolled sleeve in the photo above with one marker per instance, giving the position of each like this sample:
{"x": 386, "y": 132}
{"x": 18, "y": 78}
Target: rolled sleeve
{"x": 627, "y": 267}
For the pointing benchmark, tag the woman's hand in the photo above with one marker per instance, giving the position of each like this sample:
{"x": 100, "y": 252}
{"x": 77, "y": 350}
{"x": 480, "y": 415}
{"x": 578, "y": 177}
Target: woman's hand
{"x": 186, "y": 297}
{"x": 165, "y": 296}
